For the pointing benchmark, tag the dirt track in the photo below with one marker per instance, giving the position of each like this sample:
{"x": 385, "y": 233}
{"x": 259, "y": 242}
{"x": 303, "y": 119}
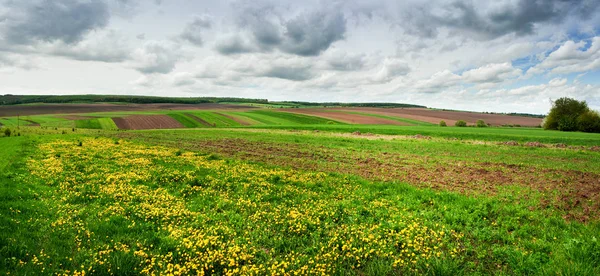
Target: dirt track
{"x": 425, "y": 115}
{"x": 147, "y": 122}
{"x": 23, "y": 110}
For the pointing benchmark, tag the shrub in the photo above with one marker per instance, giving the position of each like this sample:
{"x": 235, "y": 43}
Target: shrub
{"x": 443, "y": 123}
{"x": 481, "y": 123}
{"x": 589, "y": 121}
{"x": 460, "y": 123}
{"x": 564, "y": 113}
{"x": 7, "y": 132}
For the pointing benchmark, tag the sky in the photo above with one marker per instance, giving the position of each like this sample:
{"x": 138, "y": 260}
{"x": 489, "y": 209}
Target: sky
{"x": 495, "y": 56}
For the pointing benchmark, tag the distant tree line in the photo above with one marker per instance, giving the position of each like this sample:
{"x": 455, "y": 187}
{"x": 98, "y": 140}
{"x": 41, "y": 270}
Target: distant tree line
{"x": 572, "y": 115}
{"x": 338, "y": 104}
{"x": 30, "y": 99}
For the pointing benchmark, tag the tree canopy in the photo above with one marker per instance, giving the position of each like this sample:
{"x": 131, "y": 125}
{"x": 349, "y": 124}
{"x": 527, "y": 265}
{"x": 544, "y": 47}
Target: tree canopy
{"x": 572, "y": 115}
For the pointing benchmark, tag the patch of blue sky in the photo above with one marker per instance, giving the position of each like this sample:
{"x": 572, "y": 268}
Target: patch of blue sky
{"x": 590, "y": 77}
{"x": 525, "y": 63}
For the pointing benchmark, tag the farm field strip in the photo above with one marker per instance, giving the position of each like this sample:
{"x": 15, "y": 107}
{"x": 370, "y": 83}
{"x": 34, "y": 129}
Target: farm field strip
{"x": 147, "y": 122}
{"x": 395, "y": 118}
{"x": 345, "y": 117}
{"x": 434, "y": 116}
{"x": 498, "y": 134}
{"x": 135, "y": 208}
{"x": 545, "y": 176}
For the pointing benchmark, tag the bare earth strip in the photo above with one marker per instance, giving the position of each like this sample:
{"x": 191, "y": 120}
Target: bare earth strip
{"x": 200, "y": 120}
{"x": 345, "y": 117}
{"x": 435, "y": 116}
{"x": 147, "y": 122}
{"x": 14, "y": 110}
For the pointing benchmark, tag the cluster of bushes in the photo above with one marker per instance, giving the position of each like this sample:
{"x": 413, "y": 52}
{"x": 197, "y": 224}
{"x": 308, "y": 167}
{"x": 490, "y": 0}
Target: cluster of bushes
{"x": 461, "y": 123}
{"x": 572, "y": 115}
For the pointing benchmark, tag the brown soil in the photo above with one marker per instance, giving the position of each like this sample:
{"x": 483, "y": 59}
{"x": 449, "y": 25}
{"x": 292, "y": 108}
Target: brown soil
{"x": 237, "y": 119}
{"x": 14, "y": 110}
{"x": 200, "y": 120}
{"x": 147, "y": 122}
{"x": 345, "y": 117}
{"x": 574, "y": 192}
{"x": 435, "y": 116}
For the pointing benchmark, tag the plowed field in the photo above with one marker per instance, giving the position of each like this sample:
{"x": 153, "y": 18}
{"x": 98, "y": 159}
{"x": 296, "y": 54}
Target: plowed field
{"x": 147, "y": 122}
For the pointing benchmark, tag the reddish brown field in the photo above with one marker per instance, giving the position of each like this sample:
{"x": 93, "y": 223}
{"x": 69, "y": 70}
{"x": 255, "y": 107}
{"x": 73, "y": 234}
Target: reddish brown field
{"x": 435, "y": 116}
{"x": 22, "y": 110}
{"x": 147, "y": 122}
{"x": 345, "y": 117}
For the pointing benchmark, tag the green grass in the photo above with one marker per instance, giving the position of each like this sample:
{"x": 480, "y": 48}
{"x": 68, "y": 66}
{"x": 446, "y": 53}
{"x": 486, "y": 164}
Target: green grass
{"x": 214, "y": 119}
{"x": 107, "y": 123}
{"x": 89, "y": 124}
{"x": 145, "y": 202}
{"x": 13, "y": 122}
{"x": 185, "y": 120}
{"x": 499, "y": 134}
{"x": 100, "y": 123}
{"x": 265, "y": 117}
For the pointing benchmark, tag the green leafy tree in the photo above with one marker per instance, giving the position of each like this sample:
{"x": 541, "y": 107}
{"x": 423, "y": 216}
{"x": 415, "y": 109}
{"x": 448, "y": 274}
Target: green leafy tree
{"x": 443, "y": 123}
{"x": 460, "y": 123}
{"x": 7, "y": 132}
{"x": 564, "y": 113}
{"x": 589, "y": 121}
{"x": 481, "y": 123}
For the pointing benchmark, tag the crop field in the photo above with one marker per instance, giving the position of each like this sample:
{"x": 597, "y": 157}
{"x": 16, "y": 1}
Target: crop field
{"x": 299, "y": 200}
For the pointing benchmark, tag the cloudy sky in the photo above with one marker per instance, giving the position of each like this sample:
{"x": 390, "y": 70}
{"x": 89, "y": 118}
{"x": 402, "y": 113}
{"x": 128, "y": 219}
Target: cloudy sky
{"x": 504, "y": 55}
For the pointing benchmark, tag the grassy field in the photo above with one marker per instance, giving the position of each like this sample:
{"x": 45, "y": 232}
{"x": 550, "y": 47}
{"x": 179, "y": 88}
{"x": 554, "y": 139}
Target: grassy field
{"x": 298, "y": 199}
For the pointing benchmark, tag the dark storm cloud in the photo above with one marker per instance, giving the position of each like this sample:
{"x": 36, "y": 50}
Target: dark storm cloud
{"x": 290, "y": 73}
{"x": 232, "y": 45}
{"x": 193, "y": 31}
{"x": 307, "y": 34}
{"x": 58, "y": 20}
{"x": 310, "y": 34}
{"x": 519, "y": 18}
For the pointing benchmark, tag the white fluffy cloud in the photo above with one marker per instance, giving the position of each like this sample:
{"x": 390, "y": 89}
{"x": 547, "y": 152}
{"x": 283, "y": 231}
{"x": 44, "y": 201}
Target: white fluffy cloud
{"x": 572, "y": 58}
{"x": 426, "y": 53}
{"x": 156, "y": 57}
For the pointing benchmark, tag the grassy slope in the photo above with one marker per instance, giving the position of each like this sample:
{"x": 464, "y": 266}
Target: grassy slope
{"x": 435, "y": 150}
{"x": 214, "y": 118}
{"x": 484, "y": 134}
{"x": 185, "y": 120}
{"x": 496, "y": 237}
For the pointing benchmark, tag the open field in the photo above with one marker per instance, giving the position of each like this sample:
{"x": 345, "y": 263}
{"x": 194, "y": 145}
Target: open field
{"x": 235, "y": 115}
{"x": 37, "y": 109}
{"x": 147, "y": 122}
{"x": 283, "y": 200}
{"x": 301, "y": 191}
{"x": 356, "y": 115}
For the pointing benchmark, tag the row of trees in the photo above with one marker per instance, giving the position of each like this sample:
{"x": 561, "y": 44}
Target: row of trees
{"x": 572, "y": 115}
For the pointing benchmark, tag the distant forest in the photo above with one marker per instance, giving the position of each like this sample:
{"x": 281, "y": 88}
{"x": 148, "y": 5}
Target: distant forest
{"x": 33, "y": 99}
